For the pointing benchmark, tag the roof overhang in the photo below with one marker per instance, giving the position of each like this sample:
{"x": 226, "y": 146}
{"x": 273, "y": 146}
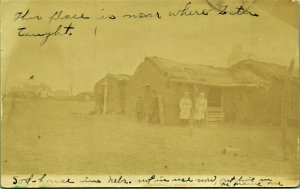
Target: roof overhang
{"x": 197, "y": 82}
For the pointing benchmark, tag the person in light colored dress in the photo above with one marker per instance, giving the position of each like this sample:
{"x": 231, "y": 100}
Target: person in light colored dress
{"x": 200, "y": 109}
{"x": 185, "y": 106}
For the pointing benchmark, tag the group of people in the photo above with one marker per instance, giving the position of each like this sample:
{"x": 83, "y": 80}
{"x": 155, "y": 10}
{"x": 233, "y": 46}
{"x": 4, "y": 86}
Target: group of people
{"x": 188, "y": 110}
{"x": 197, "y": 112}
{"x": 148, "y": 111}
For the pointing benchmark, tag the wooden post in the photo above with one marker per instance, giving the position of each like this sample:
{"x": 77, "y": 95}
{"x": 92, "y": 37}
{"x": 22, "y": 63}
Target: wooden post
{"x": 285, "y": 108}
{"x": 222, "y": 105}
{"x": 105, "y": 96}
{"x": 286, "y": 94}
{"x": 195, "y": 90}
{"x": 206, "y": 112}
{"x": 161, "y": 111}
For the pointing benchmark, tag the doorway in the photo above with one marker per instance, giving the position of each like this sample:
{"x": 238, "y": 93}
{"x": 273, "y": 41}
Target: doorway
{"x": 214, "y": 98}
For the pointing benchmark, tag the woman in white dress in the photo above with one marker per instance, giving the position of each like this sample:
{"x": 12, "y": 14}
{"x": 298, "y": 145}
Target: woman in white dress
{"x": 185, "y": 106}
{"x": 200, "y": 109}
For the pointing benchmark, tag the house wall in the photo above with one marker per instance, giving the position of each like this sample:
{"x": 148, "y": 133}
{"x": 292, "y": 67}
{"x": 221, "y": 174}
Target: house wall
{"x": 113, "y": 93}
{"x": 113, "y": 101}
{"x": 232, "y": 104}
{"x": 294, "y": 105}
{"x": 277, "y": 90}
{"x": 137, "y": 86}
{"x": 98, "y": 92}
{"x": 258, "y": 105}
{"x": 98, "y": 88}
{"x": 246, "y": 104}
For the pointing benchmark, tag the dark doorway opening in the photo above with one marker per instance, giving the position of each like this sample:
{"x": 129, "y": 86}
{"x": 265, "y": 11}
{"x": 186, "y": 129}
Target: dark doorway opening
{"x": 214, "y": 98}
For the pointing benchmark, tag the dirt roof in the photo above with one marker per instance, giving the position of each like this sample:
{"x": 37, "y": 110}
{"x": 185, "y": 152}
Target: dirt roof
{"x": 264, "y": 70}
{"x": 191, "y": 73}
{"x": 119, "y": 77}
{"x": 244, "y": 73}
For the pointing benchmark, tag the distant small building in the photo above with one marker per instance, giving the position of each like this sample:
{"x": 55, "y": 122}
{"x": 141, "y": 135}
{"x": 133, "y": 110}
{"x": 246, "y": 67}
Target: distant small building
{"x": 43, "y": 91}
{"x": 31, "y": 90}
{"x": 109, "y": 93}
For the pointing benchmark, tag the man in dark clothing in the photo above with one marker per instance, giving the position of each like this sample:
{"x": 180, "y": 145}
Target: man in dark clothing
{"x": 140, "y": 109}
{"x": 154, "y": 114}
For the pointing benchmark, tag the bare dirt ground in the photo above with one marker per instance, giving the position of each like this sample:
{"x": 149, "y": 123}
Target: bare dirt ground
{"x": 73, "y": 142}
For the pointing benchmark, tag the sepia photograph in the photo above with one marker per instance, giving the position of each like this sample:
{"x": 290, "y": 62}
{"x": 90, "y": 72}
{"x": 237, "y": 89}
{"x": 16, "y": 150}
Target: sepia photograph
{"x": 99, "y": 93}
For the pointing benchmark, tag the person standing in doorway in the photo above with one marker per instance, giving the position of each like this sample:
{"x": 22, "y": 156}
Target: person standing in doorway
{"x": 200, "y": 109}
{"x": 185, "y": 106}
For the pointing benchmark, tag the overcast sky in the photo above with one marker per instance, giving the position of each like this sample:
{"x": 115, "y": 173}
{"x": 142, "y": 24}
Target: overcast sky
{"x": 121, "y": 45}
